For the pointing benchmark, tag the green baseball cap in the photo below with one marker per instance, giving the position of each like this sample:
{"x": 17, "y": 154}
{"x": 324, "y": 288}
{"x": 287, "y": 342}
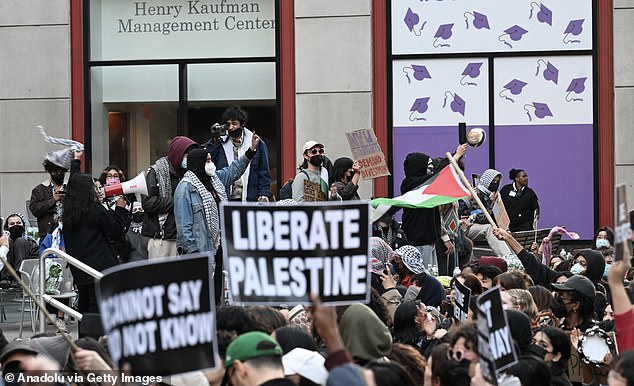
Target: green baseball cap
{"x": 251, "y": 345}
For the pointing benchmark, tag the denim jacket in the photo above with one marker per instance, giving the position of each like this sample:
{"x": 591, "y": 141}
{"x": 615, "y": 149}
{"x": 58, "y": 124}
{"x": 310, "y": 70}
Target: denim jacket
{"x": 193, "y": 235}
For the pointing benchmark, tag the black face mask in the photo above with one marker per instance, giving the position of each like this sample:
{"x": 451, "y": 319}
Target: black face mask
{"x": 607, "y": 325}
{"x": 559, "y": 308}
{"x": 235, "y": 133}
{"x": 459, "y": 372}
{"x": 57, "y": 179}
{"x": 494, "y": 186}
{"x": 536, "y": 350}
{"x": 137, "y": 217}
{"x": 16, "y": 231}
{"x": 316, "y": 160}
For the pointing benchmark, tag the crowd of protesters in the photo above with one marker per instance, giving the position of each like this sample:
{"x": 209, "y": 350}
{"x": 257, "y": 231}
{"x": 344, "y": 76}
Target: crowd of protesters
{"x": 406, "y": 335}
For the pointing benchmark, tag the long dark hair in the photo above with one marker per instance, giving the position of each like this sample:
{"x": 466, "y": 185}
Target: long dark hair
{"x": 196, "y": 160}
{"x": 339, "y": 169}
{"x": 79, "y": 199}
{"x": 405, "y": 329}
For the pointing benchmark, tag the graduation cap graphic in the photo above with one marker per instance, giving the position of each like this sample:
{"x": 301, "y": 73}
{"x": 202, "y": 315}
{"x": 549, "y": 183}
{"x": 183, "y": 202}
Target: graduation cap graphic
{"x": 419, "y": 72}
{"x": 514, "y": 87}
{"x": 411, "y": 20}
{"x": 577, "y": 86}
{"x": 551, "y": 72}
{"x": 544, "y": 15}
{"x": 541, "y": 110}
{"x": 457, "y": 104}
{"x": 420, "y": 106}
{"x": 575, "y": 28}
{"x": 515, "y": 33}
{"x": 473, "y": 71}
{"x": 443, "y": 32}
{"x": 480, "y": 20}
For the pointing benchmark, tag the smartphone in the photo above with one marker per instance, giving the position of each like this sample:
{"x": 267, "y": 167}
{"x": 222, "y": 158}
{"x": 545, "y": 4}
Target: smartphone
{"x": 462, "y": 133}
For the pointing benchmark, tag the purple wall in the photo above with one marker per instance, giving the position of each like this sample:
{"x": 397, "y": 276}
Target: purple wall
{"x": 559, "y": 162}
{"x": 557, "y": 158}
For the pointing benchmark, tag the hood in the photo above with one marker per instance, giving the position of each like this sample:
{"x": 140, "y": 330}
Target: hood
{"x": 486, "y": 178}
{"x": 364, "y": 334}
{"x": 25, "y": 221}
{"x": 520, "y": 326}
{"x": 596, "y": 265}
{"x": 415, "y": 168}
{"x": 431, "y": 292}
{"x": 178, "y": 148}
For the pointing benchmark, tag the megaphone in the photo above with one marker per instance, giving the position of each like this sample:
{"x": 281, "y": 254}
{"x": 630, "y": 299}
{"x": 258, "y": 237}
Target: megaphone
{"x": 135, "y": 185}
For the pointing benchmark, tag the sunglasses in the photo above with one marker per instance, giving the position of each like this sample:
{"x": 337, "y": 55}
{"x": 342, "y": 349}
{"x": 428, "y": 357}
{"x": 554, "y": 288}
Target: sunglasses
{"x": 315, "y": 151}
{"x": 459, "y": 355}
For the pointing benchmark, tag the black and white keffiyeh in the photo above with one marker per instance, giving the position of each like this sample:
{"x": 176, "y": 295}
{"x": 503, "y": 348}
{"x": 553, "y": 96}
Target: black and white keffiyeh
{"x": 162, "y": 169}
{"x": 63, "y": 157}
{"x": 210, "y": 207}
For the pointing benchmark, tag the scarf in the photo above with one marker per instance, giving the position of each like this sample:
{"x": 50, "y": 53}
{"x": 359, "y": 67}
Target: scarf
{"x": 61, "y": 158}
{"x": 548, "y": 247}
{"x": 210, "y": 208}
{"x": 162, "y": 170}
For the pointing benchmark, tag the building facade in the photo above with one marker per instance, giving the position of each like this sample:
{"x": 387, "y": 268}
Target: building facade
{"x": 125, "y": 76}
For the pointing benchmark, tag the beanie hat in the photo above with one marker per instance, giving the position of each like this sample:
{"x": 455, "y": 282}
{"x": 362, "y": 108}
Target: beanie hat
{"x": 495, "y": 261}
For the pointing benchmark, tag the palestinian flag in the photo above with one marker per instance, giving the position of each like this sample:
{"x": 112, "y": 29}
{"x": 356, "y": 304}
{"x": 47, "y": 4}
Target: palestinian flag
{"x": 443, "y": 188}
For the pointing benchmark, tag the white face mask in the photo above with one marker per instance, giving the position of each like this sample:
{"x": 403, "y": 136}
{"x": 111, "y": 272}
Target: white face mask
{"x": 184, "y": 163}
{"x": 210, "y": 168}
{"x": 577, "y": 269}
{"x": 602, "y": 243}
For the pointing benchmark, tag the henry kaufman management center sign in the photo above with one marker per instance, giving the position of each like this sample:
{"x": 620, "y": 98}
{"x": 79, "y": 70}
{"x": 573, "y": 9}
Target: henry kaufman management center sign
{"x": 168, "y": 29}
{"x": 280, "y": 254}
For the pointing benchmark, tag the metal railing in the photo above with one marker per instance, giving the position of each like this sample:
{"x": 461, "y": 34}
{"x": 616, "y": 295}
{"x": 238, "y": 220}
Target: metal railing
{"x": 49, "y": 299}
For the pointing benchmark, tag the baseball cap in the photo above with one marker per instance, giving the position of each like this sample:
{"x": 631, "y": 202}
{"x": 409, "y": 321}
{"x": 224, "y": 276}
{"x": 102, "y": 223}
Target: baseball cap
{"x": 310, "y": 144}
{"x": 252, "y": 345}
{"x": 306, "y": 363}
{"x": 578, "y": 283}
{"x": 16, "y": 347}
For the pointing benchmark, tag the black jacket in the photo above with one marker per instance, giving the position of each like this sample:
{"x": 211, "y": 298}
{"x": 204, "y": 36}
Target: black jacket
{"x": 520, "y": 207}
{"x": 154, "y": 204}
{"x": 421, "y": 226}
{"x": 92, "y": 242}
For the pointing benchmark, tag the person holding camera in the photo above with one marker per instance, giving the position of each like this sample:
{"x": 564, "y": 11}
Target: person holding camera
{"x": 46, "y": 198}
{"x": 255, "y": 183}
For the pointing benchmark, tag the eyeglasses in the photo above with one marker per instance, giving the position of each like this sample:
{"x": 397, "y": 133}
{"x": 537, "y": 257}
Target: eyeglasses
{"x": 315, "y": 151}
{"x": 112, "y": 175}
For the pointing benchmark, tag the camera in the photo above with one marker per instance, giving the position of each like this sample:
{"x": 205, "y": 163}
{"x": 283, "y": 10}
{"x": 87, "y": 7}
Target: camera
{"x": 217, "y": 131}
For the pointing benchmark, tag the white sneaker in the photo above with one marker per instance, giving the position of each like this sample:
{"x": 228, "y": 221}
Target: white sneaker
{"x": 60, "y": 324}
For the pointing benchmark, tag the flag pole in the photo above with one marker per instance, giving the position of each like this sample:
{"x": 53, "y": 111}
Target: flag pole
{"x": 467, "y": 184}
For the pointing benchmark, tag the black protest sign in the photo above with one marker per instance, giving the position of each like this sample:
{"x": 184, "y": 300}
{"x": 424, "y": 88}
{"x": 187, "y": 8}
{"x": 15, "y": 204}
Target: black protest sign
{"x": 622, "y": 230}
{"x": 280, "y": 254}
{"x": 497, "y": 333}
{"x": 461, "y": 298}
{"x": 487, "y": 363}
{"x": 159, "y": 315}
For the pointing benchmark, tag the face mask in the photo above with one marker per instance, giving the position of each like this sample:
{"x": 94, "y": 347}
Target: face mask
{"x": 210, "y": 168}
{"x": 602, "y": 243}
{"x": 559, "y": 308}
{"x": 317, "y": 160}
{"x": 16, "y": 231}
{"x": 57, "y": 179}
{"x": 459, "y": 371}
{"x": 235, "y": 133}
{"x": 607, "y": 325}
{"x": 606, "y": 270}
{"x": 494, "y": 186}
{"x": 536, "y": 350}
{"x": 137, "y": 217}
{"x": 184, "y": 163}
{"x": 112, "y": 181}
{"x": 576, "y": 269}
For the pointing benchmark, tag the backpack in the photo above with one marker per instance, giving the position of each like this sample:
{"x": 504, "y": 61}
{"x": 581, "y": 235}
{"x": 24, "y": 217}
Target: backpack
{"x": 286, "y": 192}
